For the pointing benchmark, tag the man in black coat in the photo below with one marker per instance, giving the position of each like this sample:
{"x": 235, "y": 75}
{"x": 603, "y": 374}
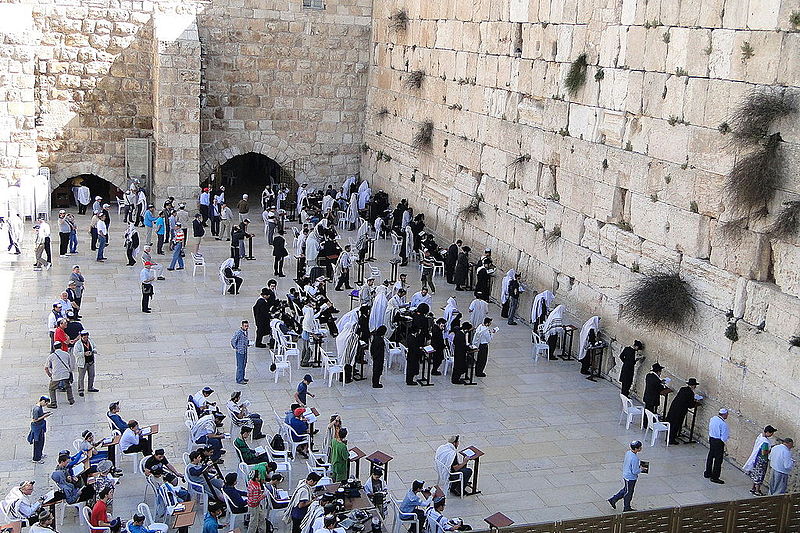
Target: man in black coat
{"x": 418, "y": 334}
{"x": 460, "y": 353}
{"x": 653, "y": 385}
{"x": 450, "y": 260}
{"x": 280, "y": 253}
{"x": 461, "y": 276}
{"x": 437, "y": 343}
{"x": 483, "y": 279}
{"x": 262, "y": 316}
{"x": 683, "y": 401}
{"x": 629, "y": 359}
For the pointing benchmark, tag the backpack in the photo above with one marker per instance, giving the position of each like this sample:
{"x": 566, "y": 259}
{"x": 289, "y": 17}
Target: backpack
{"x": 277, "y": 443}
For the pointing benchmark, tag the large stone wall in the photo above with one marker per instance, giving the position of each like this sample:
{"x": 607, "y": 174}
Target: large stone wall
{"x": 623, "y": 176}
{"x": 267, "y": 76}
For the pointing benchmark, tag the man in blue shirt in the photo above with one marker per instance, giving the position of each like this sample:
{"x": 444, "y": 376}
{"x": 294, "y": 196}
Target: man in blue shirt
{"x": 300, "y": 428}
{"x": 718, "y": 434}
{"x": 137, "y": 525}
{"x": 113, "y": 415}
{"x": 302, "y": 390}
{"x": 414, "y": 504}
{"x": 631, "y": 468}
{"x": 211, "y": 522}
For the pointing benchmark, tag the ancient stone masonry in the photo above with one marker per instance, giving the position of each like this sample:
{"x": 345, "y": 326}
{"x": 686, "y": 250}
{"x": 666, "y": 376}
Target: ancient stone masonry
{"x": 585, "y": 173}
{"x": 277, "y": 79}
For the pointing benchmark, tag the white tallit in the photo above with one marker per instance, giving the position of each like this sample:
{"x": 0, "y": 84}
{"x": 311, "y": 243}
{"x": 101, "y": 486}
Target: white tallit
{"x": 478, "y": 310}
{"x": 751, "y": 461}
{"x": 449, "y": 311}
{"x": 378, "y": 312}
{"x": 591, "y": 324}
{"x": 443, "y": 461}
{"x": 555, "y": 318}
{"x": 504, "y": 285}
{"x": 548, "y": 298}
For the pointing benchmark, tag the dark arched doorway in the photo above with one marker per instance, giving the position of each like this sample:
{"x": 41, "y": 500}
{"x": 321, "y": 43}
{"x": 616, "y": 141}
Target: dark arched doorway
{"x": 62, "y": 196}
{"x": 249, "y": 174}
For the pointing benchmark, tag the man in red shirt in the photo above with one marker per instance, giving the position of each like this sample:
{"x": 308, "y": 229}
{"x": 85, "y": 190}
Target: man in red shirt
{"x": 100, "y": 516}
{"x": 59, "y": 335}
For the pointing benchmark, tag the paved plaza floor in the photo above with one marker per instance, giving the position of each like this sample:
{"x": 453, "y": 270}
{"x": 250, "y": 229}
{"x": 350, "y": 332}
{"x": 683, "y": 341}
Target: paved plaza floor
{"x": 552, "y": 440}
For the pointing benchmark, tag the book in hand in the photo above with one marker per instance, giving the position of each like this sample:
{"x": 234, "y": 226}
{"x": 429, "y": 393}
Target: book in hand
{"x": 645, "y": 466}
{"x": 260, "y": 450}
{"x": 146, "y": 431}
{"x": 352, "y": 455}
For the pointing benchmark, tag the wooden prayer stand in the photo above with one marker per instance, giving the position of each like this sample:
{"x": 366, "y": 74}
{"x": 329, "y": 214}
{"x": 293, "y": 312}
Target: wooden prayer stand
{"x": 690, "y": 440}
{"x": 425, "y": 379}
{"x": 497, "y": 520}
{"x": 355, "y": 459}
{"x": 476, "y": 456}
{"x": 381, "y": 459}
{"x": 596, "y": 355}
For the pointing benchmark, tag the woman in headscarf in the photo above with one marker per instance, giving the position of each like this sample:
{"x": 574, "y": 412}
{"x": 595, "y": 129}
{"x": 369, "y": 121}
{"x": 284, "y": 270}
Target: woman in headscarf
{"x": 504, "y": 292}
{"x": 226, "y": 272}
{"x": 550, "y": 333}
{"x": 541, "y": 303}
{"x": 131, "y": 243}
{"x": 589, "y": 333}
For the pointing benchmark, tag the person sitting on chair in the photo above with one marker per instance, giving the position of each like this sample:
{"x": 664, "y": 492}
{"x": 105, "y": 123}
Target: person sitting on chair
{"x": 447, "y": 465}
{"x": 249, "y": 455}
{"x": 434, "y": 515}
{"x": 417, "y": 499}
{"x": 231, "y": 276}
{"x": 238, "y": 505}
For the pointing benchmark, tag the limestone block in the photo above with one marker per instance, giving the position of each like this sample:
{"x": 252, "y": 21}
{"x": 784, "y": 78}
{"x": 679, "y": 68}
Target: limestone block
{"x": 632, "y": 48}
{"x": 670, "y": 143}
{"x": 531, "y": 111}
{"x": 565, "y": 53}
{"x": 709, "y": 150}
{"x": 763, "y": 66}
{"x": 610, "y": 39}
{"x": 787, "y": 267}
{"x": 572, "y": 226}
{"x": 789, "y": 70}
{"x": 735, "y": 14}
{"x": 591, "y": 234}
{"x": 655, "y": 49}
{"x": 622, "y": 245}
{"x": 746, "y": 254}
{"x": 582, "y": 122}
{"x": 573, "y": 261}
{"x": 653, "y": 93}
{"x": 765, "y": 302}
{"x": 722, "y": 53}
{"x": 712, "y": 285}
{"x": 710, "y": 15}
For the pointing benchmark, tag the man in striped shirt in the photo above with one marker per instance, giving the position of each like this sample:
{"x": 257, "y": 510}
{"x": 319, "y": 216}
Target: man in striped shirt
{"x": 179, "y": 239}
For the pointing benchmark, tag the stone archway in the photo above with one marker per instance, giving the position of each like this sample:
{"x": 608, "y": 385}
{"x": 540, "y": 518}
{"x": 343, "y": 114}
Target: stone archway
{"x": 115, "y": 176}
{"x": 219, "y": 152}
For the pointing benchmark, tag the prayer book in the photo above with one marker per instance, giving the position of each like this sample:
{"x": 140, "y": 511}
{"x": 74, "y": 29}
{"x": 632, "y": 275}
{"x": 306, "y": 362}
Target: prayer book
{"x": 260, "y": 450}
{"x": 645, "y": 466}
{"x": 468, "y": 452}
{"x": 179, "y": 508}
{"x": 107, "y": 440}
{"x": 283, "y": 495}
{"x": 146, "y": 431}
{"x": 428, "y": 349}
{"x": 698, "y": 397}
{"x": 77, "y": 469}
{"x": 352, "y": 455}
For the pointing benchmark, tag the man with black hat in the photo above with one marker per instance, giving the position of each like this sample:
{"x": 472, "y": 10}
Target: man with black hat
{"x": 262, "y": 316}
{"x": 461, "y": 275}
{"x": 684, "y": 400}
{"x": 629, "y": 360}
{"x": 653, "y": 385}
{"x": 631, "y": 468}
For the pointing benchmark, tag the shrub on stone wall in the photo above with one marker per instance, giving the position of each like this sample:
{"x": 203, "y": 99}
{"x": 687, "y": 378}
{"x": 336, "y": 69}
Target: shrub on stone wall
{"x": 414, "y": 79}
{"x": 423, "y": 137}
{"x": 576, "y": 76}
{"x": 659, "y": 298}
{"x": 787, "y": 222}
{"x": 752, "y": 120}
{"x": 398, "y": 20}
{"x": 752, "y": 182}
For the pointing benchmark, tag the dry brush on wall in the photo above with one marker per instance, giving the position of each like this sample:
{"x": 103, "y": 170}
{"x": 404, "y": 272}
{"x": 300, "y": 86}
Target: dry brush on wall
{"x": 659, "y": 299}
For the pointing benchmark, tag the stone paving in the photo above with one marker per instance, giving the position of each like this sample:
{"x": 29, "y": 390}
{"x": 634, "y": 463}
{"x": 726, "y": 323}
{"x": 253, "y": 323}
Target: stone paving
{"x": 552, "y": 442}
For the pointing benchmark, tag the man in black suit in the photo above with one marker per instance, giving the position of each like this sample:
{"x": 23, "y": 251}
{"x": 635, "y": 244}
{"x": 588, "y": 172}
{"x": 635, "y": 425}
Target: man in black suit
{"x": 653, "y": 385}
{"x": 437, "y": 343}
{"x": 460, "y": 353}
{"x": 683, "y": 401}
{"x": 450, "y": 260}
{"x": 629, "y": 359}
{"x": 262, "y": 313}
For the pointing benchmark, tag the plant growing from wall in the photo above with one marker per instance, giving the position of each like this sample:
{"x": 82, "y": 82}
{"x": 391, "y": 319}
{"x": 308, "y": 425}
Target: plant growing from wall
{"x": 752, "y": 181}
{"x": 747, "y": 51}
{"x": 398, "y": 20}
{"x": 787, "y": 222}
{"x": 731, "y": 331}
{"x": 423, "y": 138}
{"x": 415, "y": 78}
{"x": 550, "y": 237}
{"x": 365, "y": 148}
{"x": 599, "y": 75}
{"x": 576, "y": 76}
{"x": 752, "y": 120}
{"x": 795, "y": 341}
{"x": 693, "y": 207}
{"x": 473, "y": 208}
{"x": 382, "y": 112}
{"x": 659, "y": 298}
{"x": 794, "y": 19}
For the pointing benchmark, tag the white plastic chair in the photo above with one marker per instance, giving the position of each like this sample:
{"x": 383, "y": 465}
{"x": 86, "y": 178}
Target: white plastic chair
{"x": 448, "y": 362}
{"x": 397, "y": 242}
{"x": 282, "y": 366}
{"x": 86, "y": 514}
{"x": 290, "y": 349}
{"x": 244, "y": 469}
{"x": 539, "y": 347}
{"x": 237, "y": 423}
{"x": 332, "y": 367}
{"x": 375, "y": 273}
{"x": 198, "y": 493}
{"x": 226, "y": 284}
{"x": 438, "y": 266}
{"x": 655, "y": 426}
{"x": 76, "y": 443}
{"x": 301, "y": 439}
{"x": 144, "y": 509}
{"x": 149, "y": 483}
{"x": 401, "y": 517}
{"x": 198, "y": 262}
{"x": 396, "y": 350}
{"x": 280, "y": 458}
{"x": 342, "y": 220}
{"x": 630, "y": 411}
{"x": 458, "y": 475}
{"x": 61, "y": 508}
{"x": 190, "y": 443}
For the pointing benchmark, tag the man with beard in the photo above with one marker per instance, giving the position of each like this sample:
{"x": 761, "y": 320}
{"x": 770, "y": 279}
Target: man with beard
{"x": 419, "y": 333}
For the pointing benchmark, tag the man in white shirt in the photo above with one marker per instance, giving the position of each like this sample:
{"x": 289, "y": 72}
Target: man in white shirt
{"x": 201, "y": 401}
{"x": 102, "y": 236}
{"x": 344, "y": 264}
{"x": 132, "y": 440}
{"x": 44, "y": 231}
{"x": 20, "y": 504}
{"x": 718, "y": 434}
{"x": 147, "y": 276}
{"x": 483, "y": 336}
{"x": 780, "y": 459}
{"x": 206, "y": 431}
{"x": 400, "y": 284}
{"x": 422, "y": 297}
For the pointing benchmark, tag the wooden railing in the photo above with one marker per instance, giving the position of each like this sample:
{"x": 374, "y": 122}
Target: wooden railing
{"x": 770, "y": 514}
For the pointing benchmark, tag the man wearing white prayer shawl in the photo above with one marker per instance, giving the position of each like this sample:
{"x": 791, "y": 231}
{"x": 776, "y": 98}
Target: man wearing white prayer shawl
{"x": 396, "y": 303}
{"x": 302, "y": 193}
{"x": 312, "y": 246}
{"x": 347, "y": 346}
{"x": 378, "y": 311}
{"x": 364, "y": 194}
{"x": 541, "y": 304}
{"x": 348, "y": 183}
{"x": 478, "y": 310}
{"x": 348, "y": 320}
{"x": 504, "y": 292}
{"x": 327, "y": 204}
{"x": 450, "y": 311}
{"x": 549, "y": 332}
{"x": 352, "y": 211}
{"x": 589, "y": 334}
{"x": 446, "y": 463}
